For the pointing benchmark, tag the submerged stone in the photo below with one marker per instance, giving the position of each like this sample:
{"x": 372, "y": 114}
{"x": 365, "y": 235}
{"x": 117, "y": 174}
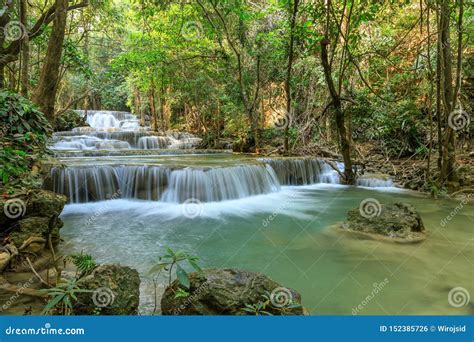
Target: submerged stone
{"x": 396, "y": 222}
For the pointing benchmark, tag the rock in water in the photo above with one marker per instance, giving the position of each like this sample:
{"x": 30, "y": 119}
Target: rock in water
{"x": 396, "y": 222}
{"x": 228, "y": 292}
{"x": 115, "y": 290}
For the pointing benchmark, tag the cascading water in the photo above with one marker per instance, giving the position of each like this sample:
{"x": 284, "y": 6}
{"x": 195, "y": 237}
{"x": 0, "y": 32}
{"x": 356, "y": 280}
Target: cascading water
{"x": 177, "y": 184}
{"x": 109, "y": 130}
{"x": 166, "y": 178}
{"x": 302, "y": 171}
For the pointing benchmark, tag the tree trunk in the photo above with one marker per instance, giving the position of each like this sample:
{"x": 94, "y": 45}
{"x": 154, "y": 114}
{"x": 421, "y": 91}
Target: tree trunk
{"x": 448, "y": 174}
{"x": 291, "y": 44}
{"x": 48, "y": 84}
{"x": 337, "y": 105}
{"x": 25, "y": 51}
{"x": 154, "y": 117}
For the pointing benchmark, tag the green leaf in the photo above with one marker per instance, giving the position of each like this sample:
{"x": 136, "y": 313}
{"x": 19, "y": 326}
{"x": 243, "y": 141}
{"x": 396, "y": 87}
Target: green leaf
{"x": 182, "y": 276}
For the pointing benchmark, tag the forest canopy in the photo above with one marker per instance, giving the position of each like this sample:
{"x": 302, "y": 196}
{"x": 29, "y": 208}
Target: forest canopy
{"x": 279, "y": 76}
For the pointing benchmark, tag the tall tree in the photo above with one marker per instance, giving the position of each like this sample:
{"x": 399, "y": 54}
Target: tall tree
{"x": 293, "y": 13}
{"x": 344, "y": 141}
{"x": 48, "y": 85}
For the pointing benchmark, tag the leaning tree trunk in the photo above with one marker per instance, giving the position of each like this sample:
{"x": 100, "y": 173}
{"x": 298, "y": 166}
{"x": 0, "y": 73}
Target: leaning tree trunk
{"x": 48, "y": 84}
{"x": 337, "y": 105}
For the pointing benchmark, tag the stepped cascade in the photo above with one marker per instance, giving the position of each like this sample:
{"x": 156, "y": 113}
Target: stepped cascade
{"x": 112, "y": 130}
{"x": 124, "y": 170}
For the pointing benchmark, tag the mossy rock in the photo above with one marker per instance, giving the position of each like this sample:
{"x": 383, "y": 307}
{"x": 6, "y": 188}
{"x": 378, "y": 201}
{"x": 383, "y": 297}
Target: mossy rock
{"x": 394, "y": 222}
{"x": 33, "y": 203}
{"x": 114, "y": 290}
{"x": 228, "y": 292}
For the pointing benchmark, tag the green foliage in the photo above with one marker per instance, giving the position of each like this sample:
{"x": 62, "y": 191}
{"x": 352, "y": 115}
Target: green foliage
{"x": 24, "y": 135}
{"x": 181, "y": 293}
{"x": 62, "y": 297}
{"x": 174, "y": 261}
{"x": 69, "y": 120}
{"x": 84, "y": 263}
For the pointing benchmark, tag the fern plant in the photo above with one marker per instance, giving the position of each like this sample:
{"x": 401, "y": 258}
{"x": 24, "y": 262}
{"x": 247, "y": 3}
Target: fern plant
{"x": 84, "y": 263}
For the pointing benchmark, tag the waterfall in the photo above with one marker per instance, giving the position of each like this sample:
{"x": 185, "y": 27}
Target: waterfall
{"x": 220, "y": 184}
{"x": 118, "y": 131}
{"x": 152, "y": 143}
{"x": 104, "y": 120}
{"x": 302, "y": 171}
{"x": 85, "y": 184}
{"x": 94, "y": 183}
{"x": 374, "y": 182}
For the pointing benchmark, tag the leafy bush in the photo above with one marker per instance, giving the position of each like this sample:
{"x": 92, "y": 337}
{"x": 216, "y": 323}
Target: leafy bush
{"x": 69, "y": 120}
{"x": 23, "y": 135}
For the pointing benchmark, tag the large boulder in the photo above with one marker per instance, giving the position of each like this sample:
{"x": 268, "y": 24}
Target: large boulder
{"x": 229, "y": 292}
{"x": 397, "y": 222}
{"x": 29, "y": 219}
{"x": 114, "y": 290}
{"x": 37, "y": 203}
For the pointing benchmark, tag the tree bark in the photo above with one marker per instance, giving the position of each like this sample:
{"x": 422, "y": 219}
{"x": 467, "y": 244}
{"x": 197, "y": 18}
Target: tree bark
{"x": 25, "y": 51}
{"x": 291, "y": 44}
{"x": 154, "y": 117}
{"x": 48, "y": 84}
{"x": 337, "y": 105}
{"x": 448, "y": 174}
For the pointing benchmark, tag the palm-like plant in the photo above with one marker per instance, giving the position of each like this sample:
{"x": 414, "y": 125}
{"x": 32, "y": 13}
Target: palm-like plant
{"x": 62, "y": 296}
